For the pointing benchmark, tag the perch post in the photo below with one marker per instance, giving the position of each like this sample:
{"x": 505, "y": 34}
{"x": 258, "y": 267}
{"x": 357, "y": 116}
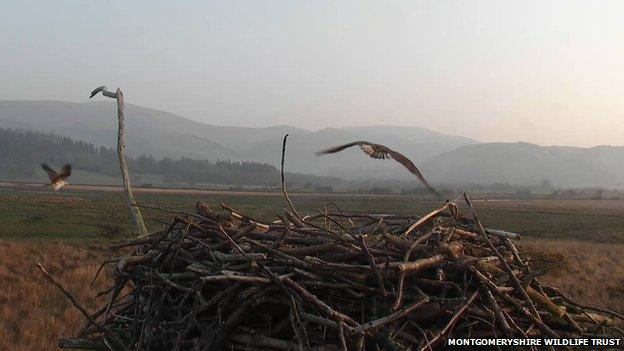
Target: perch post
{"x": 135, "y": 211}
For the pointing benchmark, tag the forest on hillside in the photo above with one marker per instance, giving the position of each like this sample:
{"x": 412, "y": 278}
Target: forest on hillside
{"x": 21, "y": 153}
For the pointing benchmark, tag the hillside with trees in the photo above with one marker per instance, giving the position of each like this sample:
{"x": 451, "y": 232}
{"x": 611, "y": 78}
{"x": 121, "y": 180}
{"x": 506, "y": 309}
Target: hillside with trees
{"x": 21, "y": 153}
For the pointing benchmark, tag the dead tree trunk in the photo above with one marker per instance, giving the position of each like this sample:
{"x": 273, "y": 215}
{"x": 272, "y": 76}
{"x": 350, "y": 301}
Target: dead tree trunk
{"x": 121, "y": 145}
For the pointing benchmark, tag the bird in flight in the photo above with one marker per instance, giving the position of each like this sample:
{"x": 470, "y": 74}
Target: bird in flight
{"x": 382, "y": 152}
{"x": 58, "y": 180}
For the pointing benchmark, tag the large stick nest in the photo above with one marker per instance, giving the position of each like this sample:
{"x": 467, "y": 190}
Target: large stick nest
{"x": 328, "y": 281}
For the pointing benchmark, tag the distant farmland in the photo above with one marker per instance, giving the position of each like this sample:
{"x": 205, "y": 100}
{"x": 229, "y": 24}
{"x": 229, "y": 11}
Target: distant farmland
{"x": 93, "y": 212}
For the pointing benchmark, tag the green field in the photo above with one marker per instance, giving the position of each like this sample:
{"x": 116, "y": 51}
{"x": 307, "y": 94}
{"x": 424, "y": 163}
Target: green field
{"x": 102, "y": 215}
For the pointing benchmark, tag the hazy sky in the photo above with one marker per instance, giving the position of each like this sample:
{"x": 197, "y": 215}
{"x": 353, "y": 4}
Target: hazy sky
{"x": 548, "y": 72}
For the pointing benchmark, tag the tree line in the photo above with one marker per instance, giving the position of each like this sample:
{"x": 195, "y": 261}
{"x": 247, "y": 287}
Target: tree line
{"x": 21, "y": 153}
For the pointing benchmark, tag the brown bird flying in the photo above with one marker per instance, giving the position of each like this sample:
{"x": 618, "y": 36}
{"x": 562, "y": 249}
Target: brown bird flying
{"x": 382, "y": 152}
{"x": 58, "y": 180}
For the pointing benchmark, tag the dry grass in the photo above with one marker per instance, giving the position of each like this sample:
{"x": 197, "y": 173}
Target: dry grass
{"x": 592, "y": 273}
{"x": 33, "y": 313}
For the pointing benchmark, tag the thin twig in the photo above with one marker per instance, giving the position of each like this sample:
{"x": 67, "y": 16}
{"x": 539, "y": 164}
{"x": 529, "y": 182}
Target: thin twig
{"x": 290, "y": 204}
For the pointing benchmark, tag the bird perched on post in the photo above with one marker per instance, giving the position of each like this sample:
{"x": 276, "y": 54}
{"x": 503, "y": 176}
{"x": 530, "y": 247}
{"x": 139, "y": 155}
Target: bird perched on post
{"x": 58, "y": 180}
{"x": 379, "y": 151}
{"x": 97, "y": 90}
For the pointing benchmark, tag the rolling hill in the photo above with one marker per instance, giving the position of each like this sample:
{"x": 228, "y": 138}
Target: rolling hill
{"x": 162, "y": 134}
{"x": 529, "y": 164}
{"x": 445, "y": 159}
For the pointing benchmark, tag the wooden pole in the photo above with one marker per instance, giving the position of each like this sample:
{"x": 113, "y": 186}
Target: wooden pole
{"x": 135, "y": 211}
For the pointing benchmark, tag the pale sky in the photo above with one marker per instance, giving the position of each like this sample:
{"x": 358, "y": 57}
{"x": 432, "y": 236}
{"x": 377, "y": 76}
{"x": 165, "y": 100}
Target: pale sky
{"x": 547, "y": 72}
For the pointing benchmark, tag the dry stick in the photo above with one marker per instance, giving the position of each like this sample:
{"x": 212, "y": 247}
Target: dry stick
{"x": 290, "y": 204}
{"x": 310, "y": 250}
{"x": 82, "y": 344}
{"x": 451, "y": 205}
{"x": 233, "y": 320}
{"x": 332, "y": 233}
{"x": 263, "y": 341}
{"x": 313, "y": 299}
{"x": 425, "y": 219}
{"x": 121, "y": 145}
{"x": 84, "y": 312}
{"x": 170, "y": 211}
{"x": 300, "y": 330}
{"x": 99, "y": 270}
{"x": 371, "y": 261}
{"x": 572, "y": 302}
{"x": 502, "y": 260}
{"x": 495, "y": 289}
{"x": 390, "y": 318}
{"x": 513, "y": 323}
{"x": 240, "y": 216}
{"x": 498, "y": 312}
{"x": 71, "y": 298}
{"x": 421, "y": 263}
{"x": 319, "y": 320}
{"x": 452, "y": 322}
{"x": 514, "y": 251}
{"x": 331, "y": 220}
{"x": 396, "y": 241}
{"x": 341, "y": 336}
{"x": 276, "y": 252}
{"x": 241, "y": 278}
{"x": 399, "y": 298}
{"x": 241, "y": 233}
{"x": 294, "y": 286}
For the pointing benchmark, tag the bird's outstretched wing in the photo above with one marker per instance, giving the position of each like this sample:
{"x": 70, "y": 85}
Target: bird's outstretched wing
{"x": 51, "y": 173}
{"x": 65, "y": 172}
{"x": 381, "y": 152}
{"x": 335, "y": 149}
{"x": 97, "y": 90}
{"x": 407, "y": 163}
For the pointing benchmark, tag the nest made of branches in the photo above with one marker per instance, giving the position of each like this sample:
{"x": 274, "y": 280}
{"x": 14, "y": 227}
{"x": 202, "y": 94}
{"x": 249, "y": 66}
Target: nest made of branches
{"x": 331, "y": 280}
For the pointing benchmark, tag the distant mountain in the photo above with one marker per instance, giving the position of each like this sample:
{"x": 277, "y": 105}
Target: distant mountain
{"x": 163, "y": 134}
{"x": 445, "y": 159}
{"x": 529, "y": 164}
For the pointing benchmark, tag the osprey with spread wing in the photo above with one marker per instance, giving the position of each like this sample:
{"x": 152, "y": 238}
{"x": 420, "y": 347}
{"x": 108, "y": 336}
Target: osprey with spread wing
{"x": 382, "y": 152}
{"x": 58, "y": 180}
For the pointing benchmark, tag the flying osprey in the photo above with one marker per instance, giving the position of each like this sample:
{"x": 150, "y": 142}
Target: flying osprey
{"x": 382, "y": 152}
{"x": 58, "y": 180}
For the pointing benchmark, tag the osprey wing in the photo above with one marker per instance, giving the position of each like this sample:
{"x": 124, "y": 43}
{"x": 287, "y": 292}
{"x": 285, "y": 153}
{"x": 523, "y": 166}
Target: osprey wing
{"x": 65, "y": 172}
{"x": 51, "y": 173}
{"x": 407, "y": 163}
{"x": 339, "y": 148}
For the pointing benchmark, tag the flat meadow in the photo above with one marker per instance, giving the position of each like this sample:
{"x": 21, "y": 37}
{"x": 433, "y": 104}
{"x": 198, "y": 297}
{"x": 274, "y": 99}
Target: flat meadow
{"x": 578, "y": 244}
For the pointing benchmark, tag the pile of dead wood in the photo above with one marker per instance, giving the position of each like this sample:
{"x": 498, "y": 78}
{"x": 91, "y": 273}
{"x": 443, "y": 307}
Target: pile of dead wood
{"x": 331, "y": 280}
